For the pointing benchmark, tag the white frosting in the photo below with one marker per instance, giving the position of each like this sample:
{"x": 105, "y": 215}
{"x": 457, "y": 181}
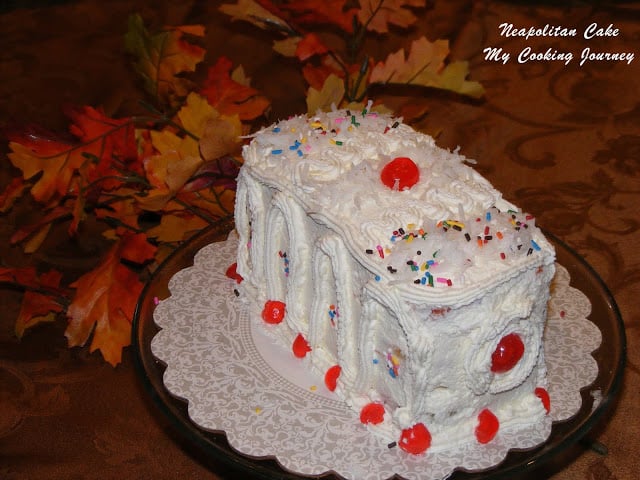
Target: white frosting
{"x": 408, "y": 291}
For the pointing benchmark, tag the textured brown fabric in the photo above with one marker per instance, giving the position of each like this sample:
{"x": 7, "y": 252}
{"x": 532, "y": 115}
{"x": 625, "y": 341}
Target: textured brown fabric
{"x": 562, "y": 141}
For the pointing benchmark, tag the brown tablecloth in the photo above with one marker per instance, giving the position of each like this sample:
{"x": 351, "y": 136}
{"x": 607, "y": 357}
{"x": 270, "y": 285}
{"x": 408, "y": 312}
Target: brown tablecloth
{"x": 561, "y": 139}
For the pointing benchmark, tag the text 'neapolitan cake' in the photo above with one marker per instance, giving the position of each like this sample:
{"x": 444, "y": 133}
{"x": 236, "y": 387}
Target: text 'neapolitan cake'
{"x": 398, "y": 273}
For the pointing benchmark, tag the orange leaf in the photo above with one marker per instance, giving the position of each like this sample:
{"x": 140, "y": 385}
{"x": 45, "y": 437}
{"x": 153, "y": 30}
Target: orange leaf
{"x": 253, "y": 12}
{"x": 39, "y": 307}
{"x": 121, "y": 206}
{"x": 14, "y": 190}
{"x": 316, "y": 75}
{"x": 163, "y": 57}
{"x": 103, "y": 144}
{"x": 314, "y": 12}
{"x": 56, "y": 214}
{"x": 230, "y": 97}
{"x": 22, "y": 276}
{"x": 215, "y": 202}
{"x": 110, "y": 141}
{"x": 56, "y": 161}
{"x": 177, "y": 227}
{"x": 287, "y": 47}
{"x": 177, "y": 157}
{"x": 309, "y": 46}
{"x": 221, "y": 137}
{"x": 377, "y": 15}
{"x": 105, "y": 299}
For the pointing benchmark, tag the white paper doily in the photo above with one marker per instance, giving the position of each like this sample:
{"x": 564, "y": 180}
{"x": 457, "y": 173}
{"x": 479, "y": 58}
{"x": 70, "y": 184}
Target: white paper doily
{"x": 237, "y": 381}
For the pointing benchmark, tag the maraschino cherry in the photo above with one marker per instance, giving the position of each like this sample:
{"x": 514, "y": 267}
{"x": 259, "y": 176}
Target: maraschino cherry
{"x": 400, "y": 173}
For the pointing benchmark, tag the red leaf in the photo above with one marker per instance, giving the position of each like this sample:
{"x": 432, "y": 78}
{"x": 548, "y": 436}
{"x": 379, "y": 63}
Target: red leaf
{"x": 316, "y": 12}
{"x": 230, "y": 97}
{"x": 309, "y": 46}
{"x": 106, "y": 297}
{"x": 13, "y": 191}
{"x": 37, "y": 307}
{"x": 111, "y": 141}
{"x": 22, "y": 276}
{"x": 58, "y": 213}
{"x": 103, "y": 145}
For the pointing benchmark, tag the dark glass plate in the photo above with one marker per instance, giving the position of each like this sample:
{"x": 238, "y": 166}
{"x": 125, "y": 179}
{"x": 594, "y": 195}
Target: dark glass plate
{"x": 610, "y": 358}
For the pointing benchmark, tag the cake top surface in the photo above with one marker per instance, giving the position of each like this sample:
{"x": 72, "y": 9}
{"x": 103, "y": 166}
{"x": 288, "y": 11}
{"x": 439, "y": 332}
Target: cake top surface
{"x": 413, "y": 212}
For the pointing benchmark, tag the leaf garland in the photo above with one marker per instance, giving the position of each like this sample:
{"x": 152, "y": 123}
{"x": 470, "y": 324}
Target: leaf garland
{"x": 427, "y": 64}
{"x": 178, "y": 163}
{"x": 178, "y": 166}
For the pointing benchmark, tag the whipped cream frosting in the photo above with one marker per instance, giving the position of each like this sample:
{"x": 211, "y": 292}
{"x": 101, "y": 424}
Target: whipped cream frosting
{"x": 465, "y": 231}
{"x": 423, "y": 288}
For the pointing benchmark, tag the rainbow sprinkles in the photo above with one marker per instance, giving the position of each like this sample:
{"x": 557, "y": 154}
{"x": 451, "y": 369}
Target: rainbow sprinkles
{"x": 397, "y": 251}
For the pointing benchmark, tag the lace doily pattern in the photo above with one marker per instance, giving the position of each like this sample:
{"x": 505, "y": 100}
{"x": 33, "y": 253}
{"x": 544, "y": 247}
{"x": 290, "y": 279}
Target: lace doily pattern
{"x": 236, "y": 380}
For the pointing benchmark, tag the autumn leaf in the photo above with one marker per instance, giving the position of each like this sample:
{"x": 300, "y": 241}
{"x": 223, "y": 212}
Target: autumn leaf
{"x": 103, "y": 306}
{"x": 119, "y": 208}
{"x": 377, "y": 15}
{"x": 177, "y": 227}
{"x": 43, "y": 297}
{"x": 177, "y": 157}
{"x": 212, "y": 203}
{"x": 40, "y": 307}
{"x": 21, "y": 276}
{"x": 425, "y": 66}
{"x": 252, "y": 12}
{"x": 309, "y": 46}
{"x": 316, "y": 74}
{"x": 287, "y": 47}
{"x": 110, "y": 142}
{"x": 12, "y": 193}
{"x": 228, "y": 96}
{"x": 220, "y": 172}
{"x": 56, "y": 214}
{"x": 54, "y": 161}
{"x": 221, "y": 137}
{"x": 100, "y": 143}
{"x": 332, "y": 93}
{"x": 317, "y": 12}
{"x": 162, "y": 58}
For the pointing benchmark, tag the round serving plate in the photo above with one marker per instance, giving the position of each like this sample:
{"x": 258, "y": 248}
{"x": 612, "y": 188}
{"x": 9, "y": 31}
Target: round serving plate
{"x": 596, "y": 398}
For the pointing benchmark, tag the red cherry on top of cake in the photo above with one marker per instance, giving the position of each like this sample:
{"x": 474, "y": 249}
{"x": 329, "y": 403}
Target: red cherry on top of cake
{"x": 507, "y": 354}
{"x": 400, "y": 173}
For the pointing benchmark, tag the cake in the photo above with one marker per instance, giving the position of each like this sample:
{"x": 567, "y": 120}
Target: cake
{"x": 392, "y": 268}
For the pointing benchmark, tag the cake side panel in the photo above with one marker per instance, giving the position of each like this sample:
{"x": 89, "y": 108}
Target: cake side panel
{"x": 432, "y": 363}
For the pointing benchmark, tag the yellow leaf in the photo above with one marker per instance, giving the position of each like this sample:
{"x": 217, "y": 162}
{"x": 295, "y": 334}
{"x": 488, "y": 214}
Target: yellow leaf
{"x": 195, "y": 114}
{"x": 425, "y": 65}
{"x": 332, "y": 92}
{"x": 250, "y": 11}
{"x": 238, "y": 75}
{"x": 162, "y": 58}
{"x": 287, "y": 47}
{"x": 377, "y": 15}
{"x": 168, "y": 172}
{"x": 424, "y": 56}
{"x": 220, "y": 137}
{"x": 36, "y": 240}
{"x": 453, "y": 78}
{"x": 176, "y": 227}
